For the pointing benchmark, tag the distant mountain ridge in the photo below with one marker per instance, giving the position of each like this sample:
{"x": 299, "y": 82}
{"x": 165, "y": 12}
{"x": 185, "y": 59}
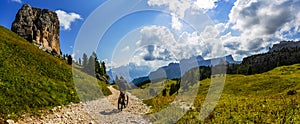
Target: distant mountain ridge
{"x": 176, "y": 70}
{"x": 284, "y": 53}
{"x": 130, "y": 72}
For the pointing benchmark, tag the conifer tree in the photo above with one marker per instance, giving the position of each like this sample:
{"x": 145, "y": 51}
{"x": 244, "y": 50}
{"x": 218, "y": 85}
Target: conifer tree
{"x": 69, "y": 59}
{"x": 103, "y": 68}
{"x": 79, "y": 61}
{"x": 84, "y": 60}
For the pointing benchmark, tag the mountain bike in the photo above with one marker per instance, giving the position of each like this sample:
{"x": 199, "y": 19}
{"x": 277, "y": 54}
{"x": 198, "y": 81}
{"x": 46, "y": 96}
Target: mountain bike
{"x": 122, "y": 102}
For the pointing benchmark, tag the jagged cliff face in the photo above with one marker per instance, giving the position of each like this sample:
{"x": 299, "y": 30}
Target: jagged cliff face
{"x": 39, "y": 26}
{"x": 286, "y": 45}
{"x": 284, "y": 53}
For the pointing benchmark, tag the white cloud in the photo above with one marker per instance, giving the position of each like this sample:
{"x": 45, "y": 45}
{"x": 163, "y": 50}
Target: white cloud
{"x": 175, "y": 6}
{"x": 186, "y": 10}
{"x": 66, "y": 19}
{"x": 179, "y": 7}
{"x": 212, "y": 41}
{"x": 110, "y": 64}
{"x": 259, "y": 23}
{"x": 73, "y": 56}
{"x": 138, "y": 59}
{"x": 265, "y": 17}
{"x": 138, "y": 43}
{"x": 176, "y": 24}
{"x": 167, "y": 46}
{"x": 206, "y": 4}
{"x": 159, "y": 46}
{"x": 253, "y": 26}
{"x": 125, "y": 49}
{"x": 158, "y": 36}
{"x": 18, "y": 1}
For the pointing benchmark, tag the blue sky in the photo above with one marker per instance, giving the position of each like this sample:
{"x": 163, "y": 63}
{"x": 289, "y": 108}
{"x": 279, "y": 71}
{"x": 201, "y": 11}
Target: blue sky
{"x": 9, "y": 9}
{"x": 157, "y": 32}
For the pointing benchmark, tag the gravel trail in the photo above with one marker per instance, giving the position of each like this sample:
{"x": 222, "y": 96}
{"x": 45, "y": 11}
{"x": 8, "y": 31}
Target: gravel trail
{"x": 101, "y": 111}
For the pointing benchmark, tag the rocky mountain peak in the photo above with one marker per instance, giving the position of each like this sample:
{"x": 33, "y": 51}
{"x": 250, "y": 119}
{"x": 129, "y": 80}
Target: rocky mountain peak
{"x": 39, "y": 26}
{"x": 285, "y": 44}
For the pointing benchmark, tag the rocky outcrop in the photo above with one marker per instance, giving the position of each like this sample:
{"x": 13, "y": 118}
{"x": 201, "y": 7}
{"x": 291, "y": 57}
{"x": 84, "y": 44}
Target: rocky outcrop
{"x": 284, "y": 53}
{"x": 285, "y": 44}
{"x": 39, "y": 26}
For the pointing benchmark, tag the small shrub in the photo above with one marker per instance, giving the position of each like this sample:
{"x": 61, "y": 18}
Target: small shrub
{"x": 291, "y": 92}
{"x": 164, "y": 92}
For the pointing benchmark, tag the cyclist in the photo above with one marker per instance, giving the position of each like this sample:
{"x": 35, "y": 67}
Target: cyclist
{"x": 123, "y": 85}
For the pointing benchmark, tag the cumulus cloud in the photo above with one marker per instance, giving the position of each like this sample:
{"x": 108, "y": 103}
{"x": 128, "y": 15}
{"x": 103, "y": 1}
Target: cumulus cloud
{"x": 161, "y": 44}
{"x": 149, "y": 56}
{"x": 156, "y": 39}
{"x": 153, "y": 62}
{"x": 125, "y": 49}
{"x": 18, "y": 1}
{"x": 159, "y": 35}
{"x": 110, "y": 64}
{"x": 176, "y": 24}
{"x": 66, "y": 19}
{"x": 187, "y": 10}
{"x": 179, "y": 7}
{"x": 253, "y": 27}
{"x": 206, "y": 4}
{"x": 259, "y": 23}
{"x": 267, "y": 15}
{"x": 176, "y": 6}
{"x": 157, "y": 53}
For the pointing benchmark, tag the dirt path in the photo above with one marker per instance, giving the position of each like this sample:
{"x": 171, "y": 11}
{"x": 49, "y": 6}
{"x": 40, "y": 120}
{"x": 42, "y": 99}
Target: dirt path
{"x": 136, "y": 106}
{"x": 102, "y": 111}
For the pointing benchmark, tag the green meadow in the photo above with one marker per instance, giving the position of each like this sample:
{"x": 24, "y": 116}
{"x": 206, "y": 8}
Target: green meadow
{"x": 32, "y": 80}
{"x": 270, "y": 97}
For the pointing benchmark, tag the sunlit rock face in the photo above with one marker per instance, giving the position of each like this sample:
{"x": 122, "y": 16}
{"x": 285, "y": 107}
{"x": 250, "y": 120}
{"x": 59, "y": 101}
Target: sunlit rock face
{"x": 39, "y": 26}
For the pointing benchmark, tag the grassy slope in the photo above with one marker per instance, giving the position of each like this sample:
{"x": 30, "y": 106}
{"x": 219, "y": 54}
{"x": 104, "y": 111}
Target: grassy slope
{"x": 31, "y": 80}
{"x": 260, "y": 98}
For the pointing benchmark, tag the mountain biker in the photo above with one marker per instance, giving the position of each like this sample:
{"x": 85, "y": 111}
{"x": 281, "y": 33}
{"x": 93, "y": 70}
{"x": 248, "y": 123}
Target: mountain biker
{"x": 123, "y": 85}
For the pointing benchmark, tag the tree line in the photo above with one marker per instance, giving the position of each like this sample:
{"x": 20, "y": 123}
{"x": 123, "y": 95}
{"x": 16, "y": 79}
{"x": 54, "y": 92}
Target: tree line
{"x": 90, "y": 65}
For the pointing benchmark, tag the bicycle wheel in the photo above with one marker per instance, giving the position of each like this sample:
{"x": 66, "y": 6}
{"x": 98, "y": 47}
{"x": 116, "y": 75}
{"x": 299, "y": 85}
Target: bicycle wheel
{"x": 120, "y": 103}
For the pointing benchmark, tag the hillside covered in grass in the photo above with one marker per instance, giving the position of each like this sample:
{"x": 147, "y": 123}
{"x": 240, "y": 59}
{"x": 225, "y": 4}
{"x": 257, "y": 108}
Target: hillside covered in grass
{"x": 270, "y": 97}
{"x": 32, "y": 80}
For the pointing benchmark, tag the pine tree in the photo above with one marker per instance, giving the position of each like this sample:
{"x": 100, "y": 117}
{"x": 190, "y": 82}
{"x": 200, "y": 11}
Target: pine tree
{"x": 97, "y": 64}
{"x": 164, "y": 92}
{"x": 103, "y": 68}
{"x": 69, "y": 59}
{"x": 172, "y": 89}
{"x": 90, "y": 68}
{"x": 79, "y": 61}
{"x": 84, "y": 60}
{"x": 64, "y": 57}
